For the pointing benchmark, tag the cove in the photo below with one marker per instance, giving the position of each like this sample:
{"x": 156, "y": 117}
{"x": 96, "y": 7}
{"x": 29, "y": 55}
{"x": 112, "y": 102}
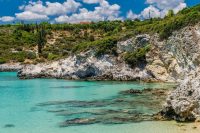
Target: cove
{"x": 62, "y": 106}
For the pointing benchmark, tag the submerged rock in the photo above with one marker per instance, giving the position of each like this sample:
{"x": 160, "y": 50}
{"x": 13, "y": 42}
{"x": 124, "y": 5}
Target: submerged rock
{"x": 126, "y": 107}
{"x": 154, "y": 92}
{"x": 9, "y": 126}
{"x": 132, "y": 91}
{"x": 68, "y": 87}
{"x": 78, "y": 121}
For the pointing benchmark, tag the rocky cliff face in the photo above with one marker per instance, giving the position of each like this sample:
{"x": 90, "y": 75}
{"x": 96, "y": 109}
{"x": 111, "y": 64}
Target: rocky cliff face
{"x": 168, "y": 61}
{"x": 87, "y": 66}
{"x": 183, "y": 104}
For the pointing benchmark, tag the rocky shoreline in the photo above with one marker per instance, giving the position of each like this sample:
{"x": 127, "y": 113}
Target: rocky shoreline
{"x": 10, "y": 67}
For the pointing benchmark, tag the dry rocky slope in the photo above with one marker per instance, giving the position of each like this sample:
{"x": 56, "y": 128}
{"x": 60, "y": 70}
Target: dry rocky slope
{"x": 176, "y": 59}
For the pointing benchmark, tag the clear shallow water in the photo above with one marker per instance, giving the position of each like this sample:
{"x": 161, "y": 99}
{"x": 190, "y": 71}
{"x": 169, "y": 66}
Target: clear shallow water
{"x": 62, "y": 100}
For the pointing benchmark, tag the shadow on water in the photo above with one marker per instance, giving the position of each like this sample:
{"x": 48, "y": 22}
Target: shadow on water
{"x": 126, "y": 107}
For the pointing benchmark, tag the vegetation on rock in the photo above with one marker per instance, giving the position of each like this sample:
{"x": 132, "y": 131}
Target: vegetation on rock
{"x": 137, "y": 56}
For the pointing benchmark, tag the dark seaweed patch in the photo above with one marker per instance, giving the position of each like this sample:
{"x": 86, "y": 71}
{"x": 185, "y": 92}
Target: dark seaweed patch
{"x": 68, "y": 87}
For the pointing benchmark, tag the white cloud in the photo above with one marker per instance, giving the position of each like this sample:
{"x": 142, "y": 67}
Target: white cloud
{"x": 30, "y": 16}
{"x": 55, "y": 8}
{"x": 70, "y": 11}
{"x": 159, "y": 8}
{"x": 131, "y": 15}
{"x": 41, "y": 11}
{"x": 92, "y": 1}
{"x": 181, "y": 6}
{"x": 7, "y": 19}
{"x": 165, "y": 4}
{"x": 150, "y": 12}
{"x": 104, "y": 11}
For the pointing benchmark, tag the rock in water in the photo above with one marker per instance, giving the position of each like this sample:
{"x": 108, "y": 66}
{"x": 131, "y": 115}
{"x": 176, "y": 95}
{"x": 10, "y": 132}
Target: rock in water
{"x": 9, "y": 126}
{"x": 78, "y": 121}
{"x": 183, "y": 104}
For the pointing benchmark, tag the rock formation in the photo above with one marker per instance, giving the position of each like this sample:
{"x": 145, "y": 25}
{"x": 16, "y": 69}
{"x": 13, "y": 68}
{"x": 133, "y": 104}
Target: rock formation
{"x": 168, "y": 61}
{"x": 183, "y": 104}
{"x": 10, "y": 67}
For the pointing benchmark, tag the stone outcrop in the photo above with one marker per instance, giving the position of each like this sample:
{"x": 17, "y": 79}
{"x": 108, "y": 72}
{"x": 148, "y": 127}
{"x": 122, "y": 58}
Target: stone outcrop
{"x": 85, "y": 66}
{"x": 183, "y": 104}
{"x": 133, "y": 43}
{"x": 10, "y": 67}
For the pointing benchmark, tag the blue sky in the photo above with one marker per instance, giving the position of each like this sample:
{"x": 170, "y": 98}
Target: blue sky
{"x": 119, "y": 9}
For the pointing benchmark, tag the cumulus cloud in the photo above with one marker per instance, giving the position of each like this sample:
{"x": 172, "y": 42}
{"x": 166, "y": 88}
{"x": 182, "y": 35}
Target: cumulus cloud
{"x": 131, "y": 15}
{"x": 71, "y": 11}
{"x": 181, "y": 6}
{"x": 49, "y": 8}
{"x": 151, "y": 12}
{"x": 7, "y": 19}
{"x": 159, "y": 8}
{"x": 39, "y": 11}
{"x": 92, "y": 1}
{"x": 104, "y": 11}
{"x": 165, "y": 4}
{"x": 30, "y": 16}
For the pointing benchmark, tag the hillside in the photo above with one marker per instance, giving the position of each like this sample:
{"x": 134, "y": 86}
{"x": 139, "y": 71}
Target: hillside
{"x": 18, "y": 43}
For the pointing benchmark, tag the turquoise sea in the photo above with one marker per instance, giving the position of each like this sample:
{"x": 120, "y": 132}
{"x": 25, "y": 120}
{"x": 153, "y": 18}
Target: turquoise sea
{"x": 46, "y": 105}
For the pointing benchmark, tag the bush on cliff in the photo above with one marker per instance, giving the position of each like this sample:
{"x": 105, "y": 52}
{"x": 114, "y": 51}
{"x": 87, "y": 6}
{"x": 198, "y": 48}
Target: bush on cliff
{"x": 137, "y": 56}
{"x": 100, "y": 47}
{"x": 2, "y": 61}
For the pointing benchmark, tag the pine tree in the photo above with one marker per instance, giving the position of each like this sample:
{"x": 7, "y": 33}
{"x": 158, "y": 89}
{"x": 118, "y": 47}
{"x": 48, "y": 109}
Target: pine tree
{"x": 41, "y": 37}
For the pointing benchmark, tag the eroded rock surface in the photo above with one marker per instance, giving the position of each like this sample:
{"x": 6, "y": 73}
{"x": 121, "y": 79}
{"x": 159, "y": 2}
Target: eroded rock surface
{"x": 10, "y": 67}
{"x": 183, "y": 104}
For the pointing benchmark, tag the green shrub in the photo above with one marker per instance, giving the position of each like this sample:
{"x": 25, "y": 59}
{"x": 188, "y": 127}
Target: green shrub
{"x": 44, "y": 54}
{"x": 52, "y": 56}
{"x": 136, "y": 57}
{"x": 31, "y": 55}
{"x": 19, "y": 56}
{"x": 2, "y": 61}
{"x": 101, "y": 47}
